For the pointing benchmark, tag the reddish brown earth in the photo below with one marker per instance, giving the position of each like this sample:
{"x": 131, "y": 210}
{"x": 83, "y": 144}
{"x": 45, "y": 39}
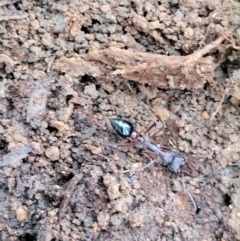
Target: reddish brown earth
{"x": 62, "y": 176}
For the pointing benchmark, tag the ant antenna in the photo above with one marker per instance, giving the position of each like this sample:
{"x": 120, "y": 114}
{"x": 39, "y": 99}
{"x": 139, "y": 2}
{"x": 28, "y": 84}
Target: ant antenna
{"x": 146, "y": 108}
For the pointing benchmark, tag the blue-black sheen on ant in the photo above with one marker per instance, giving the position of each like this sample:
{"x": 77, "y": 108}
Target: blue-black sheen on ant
{"x": 122, "y": 127}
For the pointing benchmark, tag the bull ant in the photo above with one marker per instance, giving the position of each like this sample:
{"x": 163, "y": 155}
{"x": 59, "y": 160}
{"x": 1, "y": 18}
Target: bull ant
{"x": 152, "y": 151}
{"x": 125, "y": 129}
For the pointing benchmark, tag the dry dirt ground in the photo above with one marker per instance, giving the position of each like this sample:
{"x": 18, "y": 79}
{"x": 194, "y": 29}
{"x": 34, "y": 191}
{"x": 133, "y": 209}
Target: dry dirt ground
{"x": 62, "y": 176}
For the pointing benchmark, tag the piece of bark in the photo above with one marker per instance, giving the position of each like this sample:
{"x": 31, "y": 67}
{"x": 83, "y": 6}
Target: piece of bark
{"x": 174, "y": 72}
{"x": 76, "y": 67}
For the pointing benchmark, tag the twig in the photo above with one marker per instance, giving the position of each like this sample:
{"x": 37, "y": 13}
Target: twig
{"x": 232, "y": 43}
{"x": 146, "y": 108}
{"x": 214, "y": 44}
{"x": 194, "y": 204}
{"x": 149, "y": 164}
{"x": 13, "y": 17}
{"x": 219, "y": 105}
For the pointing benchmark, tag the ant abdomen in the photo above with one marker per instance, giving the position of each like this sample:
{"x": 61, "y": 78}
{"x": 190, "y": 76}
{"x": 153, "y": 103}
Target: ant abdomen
{"x": 122, "y": 127}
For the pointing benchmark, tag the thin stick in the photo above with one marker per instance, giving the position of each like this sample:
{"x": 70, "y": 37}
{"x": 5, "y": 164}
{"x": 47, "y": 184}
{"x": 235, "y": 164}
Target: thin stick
{"x": 219, "y": 105}
{"x": 207, "y": 48}
{"x": 232, "y": 43}
{"x": 149, "y": 164}
{"x": 214, "y": 44}
{"x": 194, "y": 204}
{"x": 149, "y": 112}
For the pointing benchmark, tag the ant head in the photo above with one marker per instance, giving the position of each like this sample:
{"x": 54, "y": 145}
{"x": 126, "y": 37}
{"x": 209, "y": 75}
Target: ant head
{"x": 122, "y": 127}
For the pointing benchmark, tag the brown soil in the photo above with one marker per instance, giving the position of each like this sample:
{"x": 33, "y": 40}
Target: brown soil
{"x": 62, "y": 176}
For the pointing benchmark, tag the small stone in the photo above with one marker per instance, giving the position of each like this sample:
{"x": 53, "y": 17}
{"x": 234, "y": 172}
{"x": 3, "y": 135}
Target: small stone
{"x": 76, "y": 221}
{"x": 47, "y": 39}
{"x": 36, "y": 146}
{"x": 21, "y": 213}
{"x": 136, "y": 220}
{"x": 154, "y": 25}
{"x": 113, "y": 191}
{"x": 197, "y": 191}
{"x": 105, "y": 8}
{"x": 88, "y": 222}
{"x": 188, "y": 33}
{"x": 91, "y": 91}
{"x": 233, "y": 138}
{"x": 96, "y": 150}
{"x": 235, "y": 101}
{"x": 59, "y": 23}
{"x": 136, "y": 184}
{"x": 80, "y": 39}
{"x": 110, "y": 18}
{"x": 53, "y": 153}
{"x": 178, "y": 16}
{"x": 103, "y": 219}
{"x": 117, "y": 219}
{"x": 205, "y": 115}
{"x": 177, "y": 187}
{"x": 60, "y": 125}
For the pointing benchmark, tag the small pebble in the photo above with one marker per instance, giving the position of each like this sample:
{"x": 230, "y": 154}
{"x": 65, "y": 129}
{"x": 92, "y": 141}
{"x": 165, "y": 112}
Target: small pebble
{"x": 233, "y": 138}
{"x": 53, "y": 153}
{"x": 21, "y": 213}
{"x": 205, "y": 115}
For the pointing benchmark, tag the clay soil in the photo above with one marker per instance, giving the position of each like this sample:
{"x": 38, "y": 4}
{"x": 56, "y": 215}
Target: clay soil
{"x": 62, "y": 175}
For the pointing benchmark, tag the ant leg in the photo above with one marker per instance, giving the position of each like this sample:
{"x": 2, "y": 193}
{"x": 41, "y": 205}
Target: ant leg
{"x": 149, "y": 128}
{"x": 185, "y": 173}
{"x": 149, "y": 155}
{"x": 188, "y": 166}
{"x": 127, "y": 145}
{"x": 187, "y": 169}
{"x": 166, "y": 148}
